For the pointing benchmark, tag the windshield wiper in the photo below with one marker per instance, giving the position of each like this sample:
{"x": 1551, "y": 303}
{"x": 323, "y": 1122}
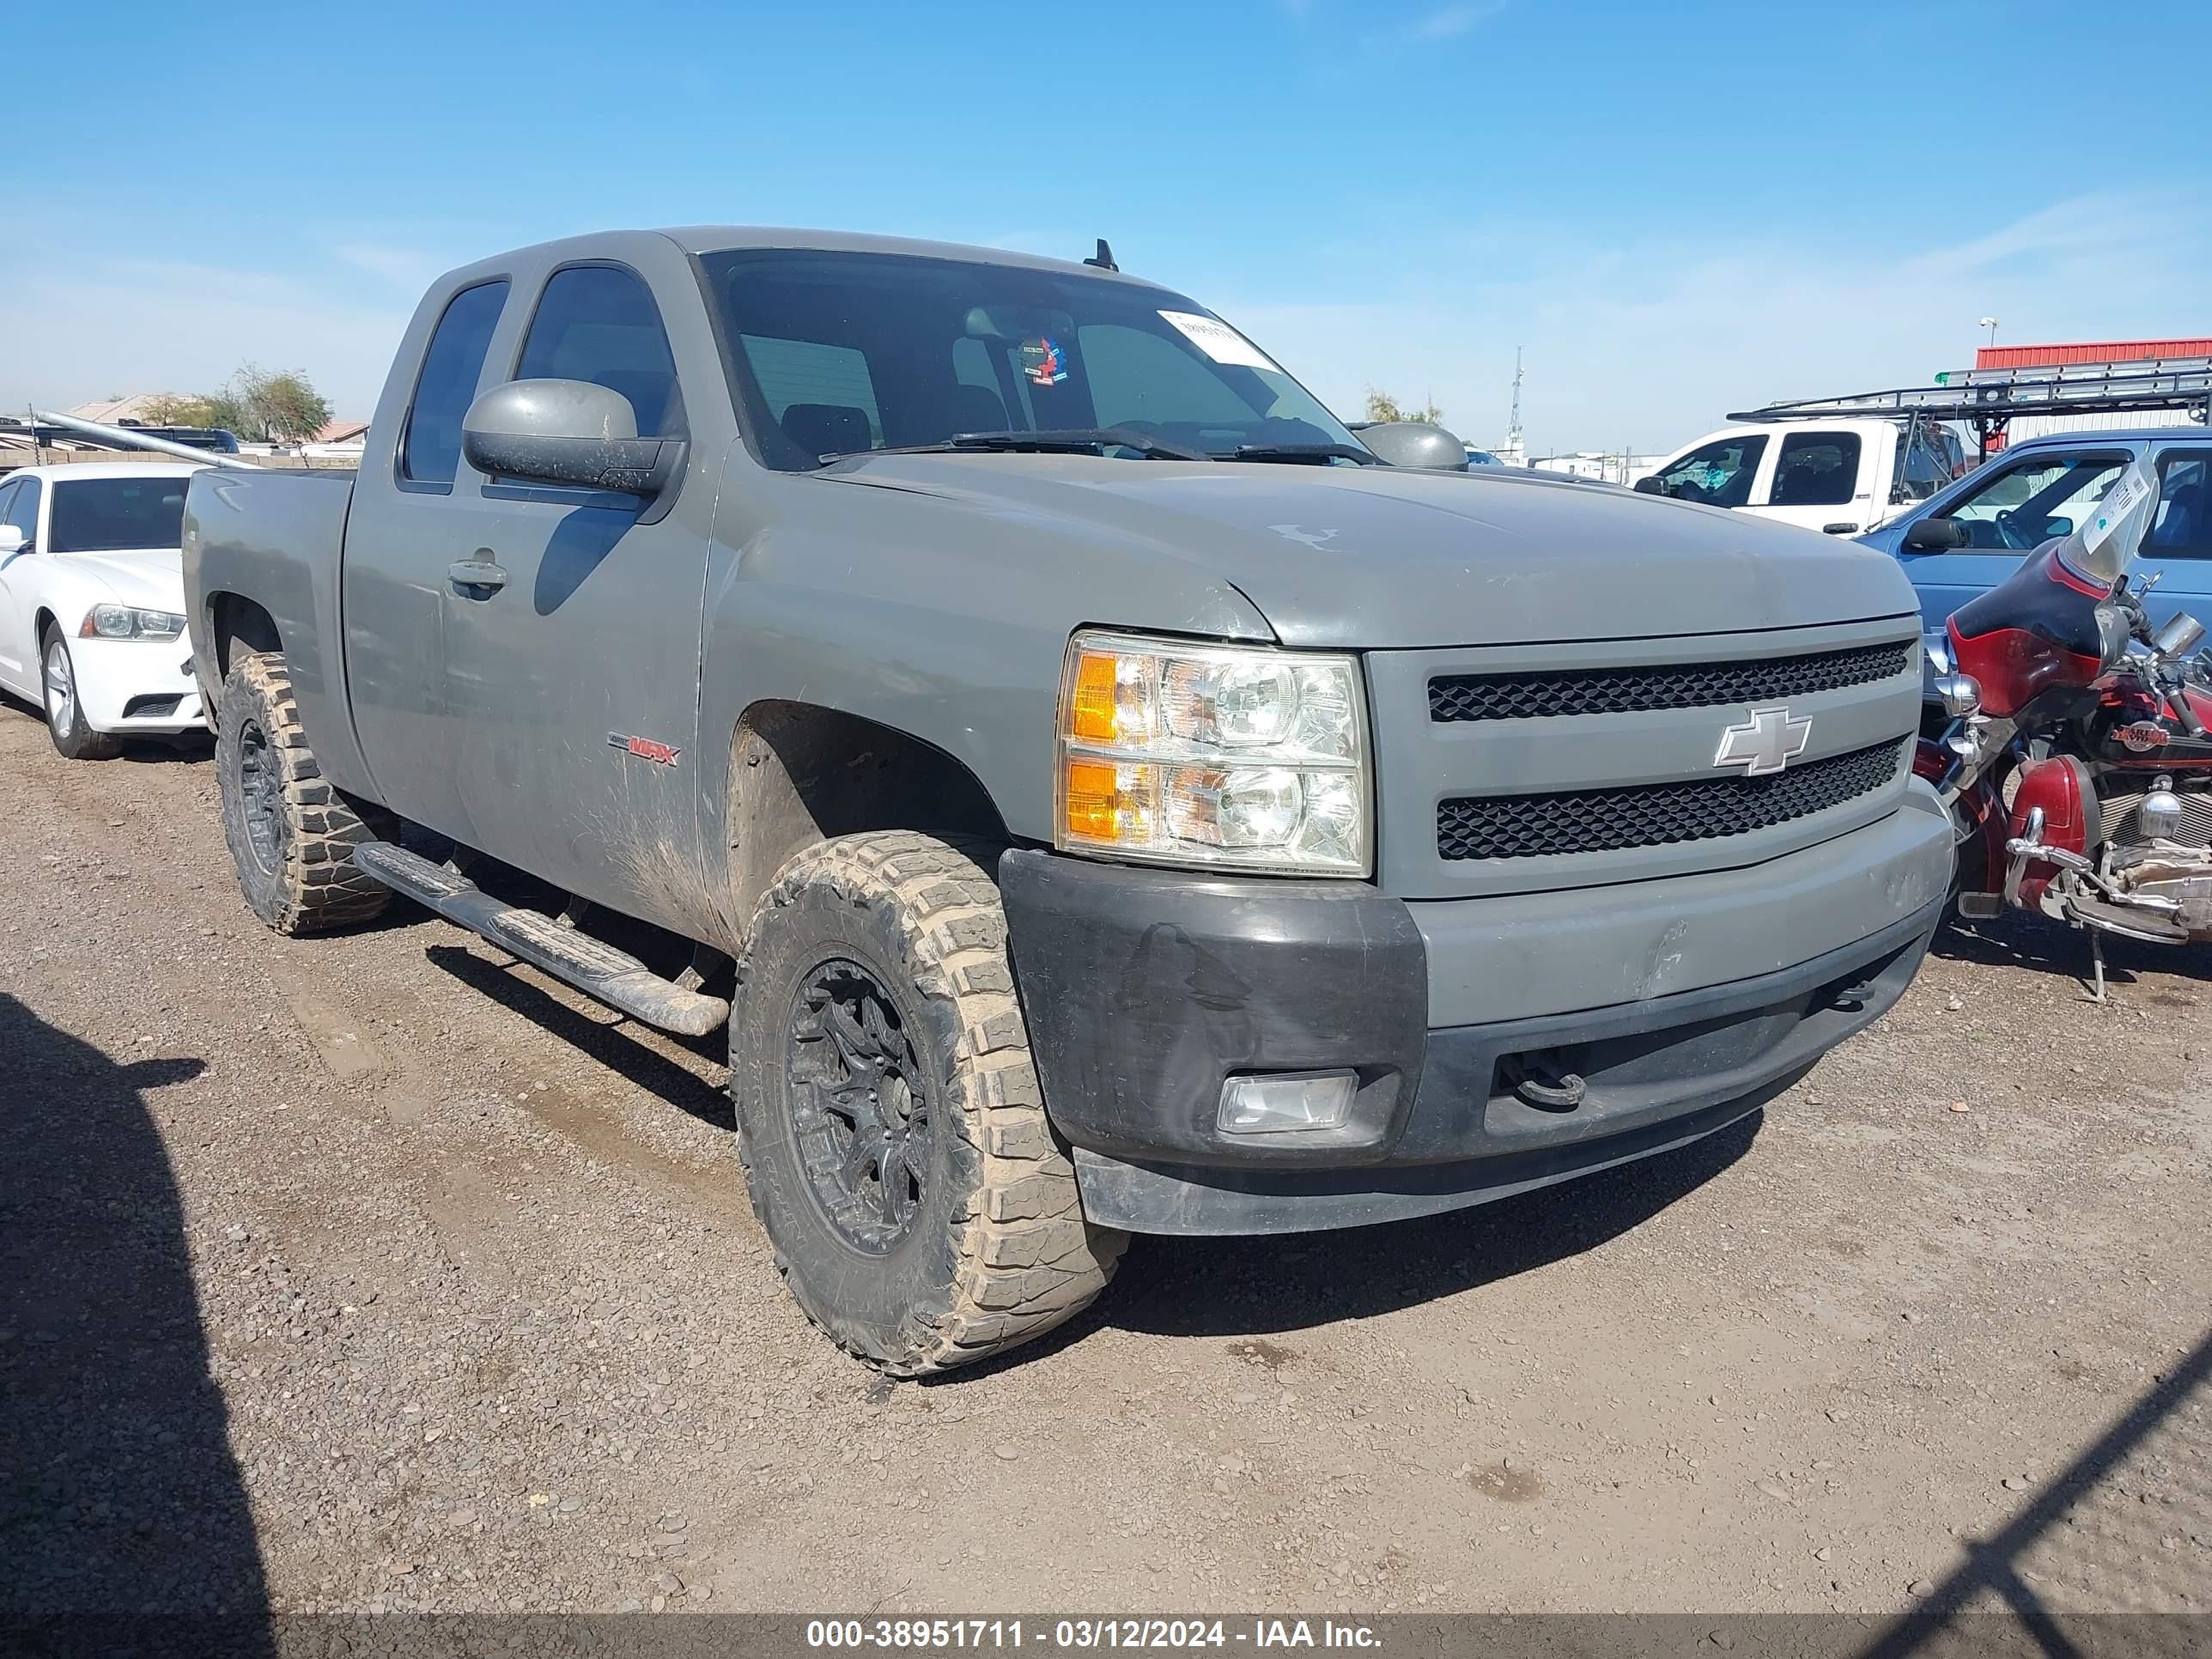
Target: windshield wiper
{"x": 1316, "y": 452}
{"x": 1065, "y": 440}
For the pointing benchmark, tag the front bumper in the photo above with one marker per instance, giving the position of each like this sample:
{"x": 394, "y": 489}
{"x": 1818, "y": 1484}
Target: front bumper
{"x": 143, "y": 688}
{"x": 1680, "y": 1004}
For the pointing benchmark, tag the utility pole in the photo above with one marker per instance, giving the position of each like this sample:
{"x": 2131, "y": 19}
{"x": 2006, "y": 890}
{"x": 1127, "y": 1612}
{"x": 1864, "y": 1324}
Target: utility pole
{"x": 1517, "y": 451}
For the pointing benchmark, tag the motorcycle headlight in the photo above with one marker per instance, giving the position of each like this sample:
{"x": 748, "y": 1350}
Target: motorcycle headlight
{"x": 123, "y": 622}
{"x": 1215, "y": 756}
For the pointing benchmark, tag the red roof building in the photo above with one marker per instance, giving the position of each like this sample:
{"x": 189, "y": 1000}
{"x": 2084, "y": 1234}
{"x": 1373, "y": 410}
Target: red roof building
{"x": 2087, "y": 351}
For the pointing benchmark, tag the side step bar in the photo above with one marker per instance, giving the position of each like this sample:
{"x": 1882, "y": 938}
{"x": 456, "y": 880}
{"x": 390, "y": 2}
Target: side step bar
{"x": 615, "y": 977}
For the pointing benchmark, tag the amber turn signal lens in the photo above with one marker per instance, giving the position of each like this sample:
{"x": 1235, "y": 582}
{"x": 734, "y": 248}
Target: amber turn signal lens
{"x": 1091, "y": 719}
{"x": 1094, "y": 797}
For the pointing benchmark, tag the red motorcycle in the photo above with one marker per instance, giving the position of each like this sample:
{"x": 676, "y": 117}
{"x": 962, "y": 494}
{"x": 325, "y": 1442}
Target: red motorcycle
{"x": 2071, "y": 741}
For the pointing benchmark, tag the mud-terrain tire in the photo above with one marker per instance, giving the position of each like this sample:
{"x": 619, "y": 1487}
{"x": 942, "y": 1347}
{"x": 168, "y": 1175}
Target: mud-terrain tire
{"x": 64, "y": 707}
{"x": 291, "y": 833}
{"x": 870, "y": 957}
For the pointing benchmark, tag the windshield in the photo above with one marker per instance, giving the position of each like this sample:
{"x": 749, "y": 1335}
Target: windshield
{"x": 835, "y": 353}
{"x": 102, "y": 515}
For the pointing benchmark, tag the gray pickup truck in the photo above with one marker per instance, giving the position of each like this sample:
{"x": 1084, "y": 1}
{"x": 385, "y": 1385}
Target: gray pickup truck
{"x": 1096, "y": 791}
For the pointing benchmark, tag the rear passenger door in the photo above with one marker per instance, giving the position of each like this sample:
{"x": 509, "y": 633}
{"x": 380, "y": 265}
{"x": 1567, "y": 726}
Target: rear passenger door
{"x": 575, "y": 683}
{"x": 1817, "y": 483}
{"x": 403, "y": 532}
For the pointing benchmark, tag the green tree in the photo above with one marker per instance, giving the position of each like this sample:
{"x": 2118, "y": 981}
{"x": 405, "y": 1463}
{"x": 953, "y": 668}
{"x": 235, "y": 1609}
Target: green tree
{"x": 1381, "y": 406}
{"x": 283, "y": 406}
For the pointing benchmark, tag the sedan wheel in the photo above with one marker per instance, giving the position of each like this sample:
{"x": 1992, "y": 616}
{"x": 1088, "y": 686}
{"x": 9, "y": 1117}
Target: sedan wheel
{"x": 65, "y": 706}
{"x": 61, "y": 686}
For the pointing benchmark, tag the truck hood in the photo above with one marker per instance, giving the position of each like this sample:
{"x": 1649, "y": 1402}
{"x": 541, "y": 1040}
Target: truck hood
{"x": 1376, "y": 557}
{"x": 151, "y": 579}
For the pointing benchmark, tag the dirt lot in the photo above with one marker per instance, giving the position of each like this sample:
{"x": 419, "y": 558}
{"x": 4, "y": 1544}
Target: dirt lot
{"x": 375, "y": 1272}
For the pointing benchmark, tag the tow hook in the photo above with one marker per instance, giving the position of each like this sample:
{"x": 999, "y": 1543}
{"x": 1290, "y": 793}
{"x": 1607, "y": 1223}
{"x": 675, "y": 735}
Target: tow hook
{"x": 1545, "y": 1085}
{"x": 1854, "y": 996}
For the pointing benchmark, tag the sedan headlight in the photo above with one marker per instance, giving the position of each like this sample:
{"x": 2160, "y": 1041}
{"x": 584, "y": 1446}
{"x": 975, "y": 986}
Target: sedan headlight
{"x": 123, "y": 622}
{"x": 1217, "y": 755}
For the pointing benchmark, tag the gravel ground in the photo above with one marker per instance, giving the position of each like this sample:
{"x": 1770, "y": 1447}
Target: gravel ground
{"x": 376, "y": 1273}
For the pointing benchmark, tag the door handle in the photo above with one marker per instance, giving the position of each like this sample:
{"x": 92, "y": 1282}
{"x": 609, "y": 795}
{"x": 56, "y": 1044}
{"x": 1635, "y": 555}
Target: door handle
{"x": 477, "y": 579}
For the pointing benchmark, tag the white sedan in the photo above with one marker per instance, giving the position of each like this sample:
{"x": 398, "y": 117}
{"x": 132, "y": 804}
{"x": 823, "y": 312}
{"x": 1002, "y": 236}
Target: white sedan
{"x": 92, "y": 602}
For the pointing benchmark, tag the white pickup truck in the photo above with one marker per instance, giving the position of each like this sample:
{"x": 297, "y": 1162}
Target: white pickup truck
{"x": 1845, "y": 477}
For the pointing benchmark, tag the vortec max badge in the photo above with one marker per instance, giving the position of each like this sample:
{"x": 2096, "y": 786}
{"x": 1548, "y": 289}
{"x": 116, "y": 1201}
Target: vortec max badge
{"x": 644, "y": 748}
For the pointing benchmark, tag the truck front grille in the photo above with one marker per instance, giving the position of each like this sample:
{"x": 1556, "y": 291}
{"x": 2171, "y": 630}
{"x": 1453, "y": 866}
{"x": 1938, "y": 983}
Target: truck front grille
{"x": 1454, "y": 697}
{"x": 1657, "y": 814}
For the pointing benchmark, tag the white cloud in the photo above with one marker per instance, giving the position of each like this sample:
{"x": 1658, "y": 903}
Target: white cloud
{"x": 1653, "y": 343}
{"x": 407, "y": 267}
{"x": 107, "y": 326}
{"x": 1443, "y": 24}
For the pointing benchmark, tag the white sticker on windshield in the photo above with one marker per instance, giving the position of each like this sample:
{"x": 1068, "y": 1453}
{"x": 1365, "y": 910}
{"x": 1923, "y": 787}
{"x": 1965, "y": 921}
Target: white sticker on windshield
{"x": 1219, "y": 341}
{"x": 2116, "y": 507}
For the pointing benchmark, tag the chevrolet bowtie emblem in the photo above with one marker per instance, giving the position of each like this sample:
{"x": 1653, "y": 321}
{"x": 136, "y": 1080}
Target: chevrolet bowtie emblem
{"x": 1765, "y": 744}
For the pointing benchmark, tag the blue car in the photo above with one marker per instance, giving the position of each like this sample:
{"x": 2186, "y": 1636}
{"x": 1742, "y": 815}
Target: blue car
{"x": 1970, "y": 536}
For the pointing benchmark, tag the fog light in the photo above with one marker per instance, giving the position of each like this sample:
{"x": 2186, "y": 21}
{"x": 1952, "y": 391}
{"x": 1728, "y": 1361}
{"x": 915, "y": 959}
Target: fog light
{"x": 1287, "y": 1101}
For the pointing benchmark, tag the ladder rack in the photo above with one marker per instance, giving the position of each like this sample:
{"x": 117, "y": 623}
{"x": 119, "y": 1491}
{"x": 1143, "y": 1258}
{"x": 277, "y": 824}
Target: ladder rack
{"x": 1989, "y": 398}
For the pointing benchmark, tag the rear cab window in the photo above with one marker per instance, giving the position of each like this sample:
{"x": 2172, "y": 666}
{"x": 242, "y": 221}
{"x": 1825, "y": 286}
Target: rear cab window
{"x": 430, "y": 443}
{"x": 1816, "y": 469}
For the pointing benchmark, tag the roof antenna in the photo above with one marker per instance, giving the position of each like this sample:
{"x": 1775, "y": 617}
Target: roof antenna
{"x": 1104, "y": 258}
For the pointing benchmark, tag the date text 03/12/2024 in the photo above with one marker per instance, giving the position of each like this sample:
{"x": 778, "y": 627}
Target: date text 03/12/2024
{"x": 1071, "y": 1635}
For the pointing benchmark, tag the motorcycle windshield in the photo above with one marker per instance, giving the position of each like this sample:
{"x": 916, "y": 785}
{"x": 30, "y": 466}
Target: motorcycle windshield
{"x": 2104, "y": 546}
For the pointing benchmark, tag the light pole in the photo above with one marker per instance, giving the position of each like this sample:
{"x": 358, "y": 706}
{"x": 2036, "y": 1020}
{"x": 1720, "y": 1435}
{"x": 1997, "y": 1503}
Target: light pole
{"x": 1991, "y": 324}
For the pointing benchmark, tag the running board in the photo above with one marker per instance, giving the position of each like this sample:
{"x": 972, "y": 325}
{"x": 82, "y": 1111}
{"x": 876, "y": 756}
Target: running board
{"x": 615, "y": 977}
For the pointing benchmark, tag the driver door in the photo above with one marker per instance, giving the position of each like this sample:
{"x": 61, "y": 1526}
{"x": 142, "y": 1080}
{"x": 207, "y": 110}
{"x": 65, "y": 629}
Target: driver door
{"x": 2014, "y": 508}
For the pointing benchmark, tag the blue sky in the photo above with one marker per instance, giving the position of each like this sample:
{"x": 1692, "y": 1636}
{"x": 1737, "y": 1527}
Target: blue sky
{"x": 1676, "y": 211}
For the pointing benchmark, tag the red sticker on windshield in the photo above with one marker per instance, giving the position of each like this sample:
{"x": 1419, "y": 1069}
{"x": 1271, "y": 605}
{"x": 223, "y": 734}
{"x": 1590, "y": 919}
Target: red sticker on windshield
{"x": 1041, "y": 362}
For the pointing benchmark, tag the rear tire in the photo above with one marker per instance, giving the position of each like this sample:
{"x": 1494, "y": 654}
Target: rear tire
{"x": 889, "y": 1119}
{"x": 291, "y": 834}
{"x": 64, "y": 705}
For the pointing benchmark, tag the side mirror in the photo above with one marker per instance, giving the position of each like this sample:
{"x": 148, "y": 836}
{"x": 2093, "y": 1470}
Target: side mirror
{"x": 1934, "y": 535}
{"x": 12, "y": 540}
{"x": 1416, "y": 444}
{"x": 2057, "y": 527}
{"x": 569, "y": 433}
{"x": 1648, "y": 486}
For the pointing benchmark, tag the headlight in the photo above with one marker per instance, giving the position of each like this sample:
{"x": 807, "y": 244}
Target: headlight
{"x": 121, "y": 622}
{"x": 1225, "y": 756}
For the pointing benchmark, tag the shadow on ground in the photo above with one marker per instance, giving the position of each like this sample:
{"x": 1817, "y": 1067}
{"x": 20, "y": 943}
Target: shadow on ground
{"x": 118, "y": 1493}
{"x": 1253, "y": 1286}
{"x": 2126, "y": 1525}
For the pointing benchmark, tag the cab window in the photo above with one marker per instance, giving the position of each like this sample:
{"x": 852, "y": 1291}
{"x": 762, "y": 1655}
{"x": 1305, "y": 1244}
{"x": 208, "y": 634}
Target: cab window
{"x": 1718, "y": 474}
{"x": 21, "y": 510}
{"x": 599, "y": 322}
{"x": 2027, "y": 503}
{"x": 1816, "y": 469}
{"x": 2182, "y": 528}
{"x": 430, "y": 445}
